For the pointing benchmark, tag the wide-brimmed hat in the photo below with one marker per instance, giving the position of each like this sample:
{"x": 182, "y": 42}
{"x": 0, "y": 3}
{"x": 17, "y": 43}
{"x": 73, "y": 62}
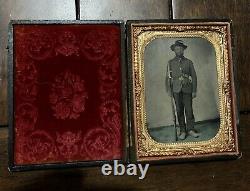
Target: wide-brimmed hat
{"x": 178, "y": 43}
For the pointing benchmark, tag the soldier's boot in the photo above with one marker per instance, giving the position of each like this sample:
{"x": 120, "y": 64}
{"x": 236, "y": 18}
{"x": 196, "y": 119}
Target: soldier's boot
{"x": 182, "y": 135}
{"x": 194, "y": 133}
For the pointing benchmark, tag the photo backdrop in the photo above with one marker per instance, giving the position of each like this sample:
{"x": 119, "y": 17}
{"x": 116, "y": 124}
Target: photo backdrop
{"x": 158, "y": 103}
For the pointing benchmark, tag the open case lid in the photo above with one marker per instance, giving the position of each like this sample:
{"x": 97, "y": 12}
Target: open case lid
{"x": 67, "y": 93}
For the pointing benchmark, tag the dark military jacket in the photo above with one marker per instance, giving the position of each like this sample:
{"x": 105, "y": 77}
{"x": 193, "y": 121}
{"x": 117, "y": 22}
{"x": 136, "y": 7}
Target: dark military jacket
{"x": 183, "y": 75}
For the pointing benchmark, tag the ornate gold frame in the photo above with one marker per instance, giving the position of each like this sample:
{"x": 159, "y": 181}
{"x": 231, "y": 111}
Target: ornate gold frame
{"x": 225, "y": 142}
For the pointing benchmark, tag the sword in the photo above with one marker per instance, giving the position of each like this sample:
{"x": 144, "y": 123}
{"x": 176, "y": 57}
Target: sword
{"x": 172, "y": 102}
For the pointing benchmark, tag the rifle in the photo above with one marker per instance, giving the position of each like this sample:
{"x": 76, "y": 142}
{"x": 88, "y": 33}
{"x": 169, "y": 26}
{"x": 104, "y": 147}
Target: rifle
{"x": 172, "y": 101}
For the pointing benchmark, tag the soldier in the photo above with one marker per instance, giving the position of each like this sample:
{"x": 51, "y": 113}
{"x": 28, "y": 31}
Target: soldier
{"x": 181, "y": 83}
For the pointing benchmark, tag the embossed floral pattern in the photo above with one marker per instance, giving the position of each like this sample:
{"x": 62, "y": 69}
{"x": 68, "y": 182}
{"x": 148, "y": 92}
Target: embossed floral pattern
{"x": 67, "y": 44}
{"x": 96, "y": 45}
{"x": 26, "y": 73}
{"x": 110, "y": 114}
{"x": 67, "y": 143}
{"x": 59, "y": 74}
{"x": 68, "y": 96}
{"x": 109, "y": 76}
{"x": 39, "y": 45}
{"x": 26, "y": 116}
{"x": 99, "y": 144}
{"x": 38, "y": 146}
{"x": 111, "y": 120}
{"x": 27, "y": 79}
{"x": 107, "y": 92}
{"x": 109, "y": 109}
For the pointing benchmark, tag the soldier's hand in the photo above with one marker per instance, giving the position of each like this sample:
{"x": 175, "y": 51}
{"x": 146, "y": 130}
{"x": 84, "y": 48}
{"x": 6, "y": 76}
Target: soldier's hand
{"x": 194, "y": 95}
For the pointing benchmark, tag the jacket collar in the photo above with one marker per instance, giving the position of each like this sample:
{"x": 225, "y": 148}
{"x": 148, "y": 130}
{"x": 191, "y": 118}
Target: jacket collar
{"x": 179, "y": 58}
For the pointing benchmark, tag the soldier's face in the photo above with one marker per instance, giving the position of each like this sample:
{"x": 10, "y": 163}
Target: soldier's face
{"x": 179, "y": 51}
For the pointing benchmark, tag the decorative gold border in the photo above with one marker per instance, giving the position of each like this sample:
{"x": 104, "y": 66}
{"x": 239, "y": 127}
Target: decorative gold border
{"x": 225, "y": 142}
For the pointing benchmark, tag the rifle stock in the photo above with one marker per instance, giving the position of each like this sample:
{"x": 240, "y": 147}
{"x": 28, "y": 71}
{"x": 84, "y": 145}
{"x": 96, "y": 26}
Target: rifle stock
{"x": 174, "y": 116}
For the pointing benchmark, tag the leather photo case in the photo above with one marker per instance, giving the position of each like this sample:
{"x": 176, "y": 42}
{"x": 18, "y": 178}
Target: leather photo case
{"x": 79, "y": 93}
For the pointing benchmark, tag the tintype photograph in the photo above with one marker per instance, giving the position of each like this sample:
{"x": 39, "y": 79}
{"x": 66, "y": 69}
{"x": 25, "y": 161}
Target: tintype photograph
{"x": 185, "y": 107}
{"x": 183, "y": 92}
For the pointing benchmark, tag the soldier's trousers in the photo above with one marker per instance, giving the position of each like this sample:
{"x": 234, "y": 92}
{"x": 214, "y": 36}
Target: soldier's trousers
{"x": 183, "y": 103}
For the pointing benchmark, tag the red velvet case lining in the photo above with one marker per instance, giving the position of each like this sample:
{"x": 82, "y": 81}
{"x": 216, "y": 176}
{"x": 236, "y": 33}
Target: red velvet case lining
{"x": 67, "y": 93}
